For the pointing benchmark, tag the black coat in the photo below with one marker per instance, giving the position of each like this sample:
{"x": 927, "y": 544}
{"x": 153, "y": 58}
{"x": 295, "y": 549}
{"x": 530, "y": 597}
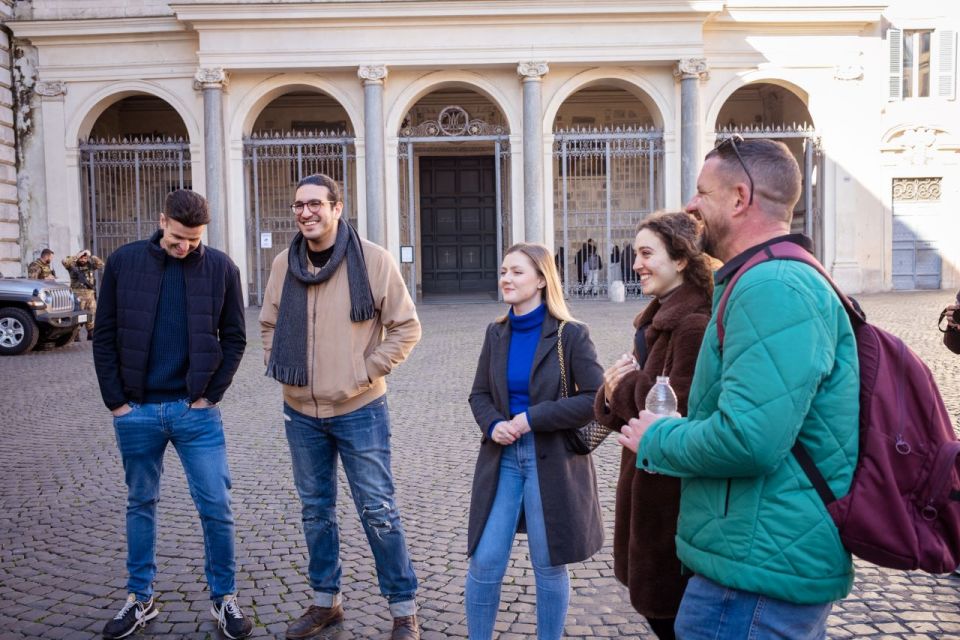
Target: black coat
{"x": 568, "y": 482}
{"x": 127, "y": 308}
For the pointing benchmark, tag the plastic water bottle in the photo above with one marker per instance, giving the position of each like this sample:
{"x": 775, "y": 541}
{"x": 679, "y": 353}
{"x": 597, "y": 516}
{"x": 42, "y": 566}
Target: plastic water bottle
{"x": 661, "y": 399}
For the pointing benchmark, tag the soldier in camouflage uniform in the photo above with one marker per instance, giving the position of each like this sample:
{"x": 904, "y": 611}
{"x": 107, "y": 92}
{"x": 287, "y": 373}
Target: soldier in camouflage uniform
{"x": 83, "y": 272}
{"x": 40, "y": 268}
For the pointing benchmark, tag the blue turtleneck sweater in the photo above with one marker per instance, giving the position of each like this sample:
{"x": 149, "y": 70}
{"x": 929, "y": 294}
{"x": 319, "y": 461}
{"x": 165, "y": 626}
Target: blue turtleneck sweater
{"x": 525, "y": 333}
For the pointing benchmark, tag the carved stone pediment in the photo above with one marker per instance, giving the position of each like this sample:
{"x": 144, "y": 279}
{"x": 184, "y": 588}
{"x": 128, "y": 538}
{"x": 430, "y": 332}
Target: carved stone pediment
{"x": 917, "y": 144}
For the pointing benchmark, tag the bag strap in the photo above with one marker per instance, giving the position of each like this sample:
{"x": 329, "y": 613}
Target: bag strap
{"x": 786, "y": 250}
{"x": 563, "y": 369}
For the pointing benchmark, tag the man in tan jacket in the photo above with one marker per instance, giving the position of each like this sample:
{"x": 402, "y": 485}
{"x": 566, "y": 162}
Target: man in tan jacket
{"x": 336, "y": 319}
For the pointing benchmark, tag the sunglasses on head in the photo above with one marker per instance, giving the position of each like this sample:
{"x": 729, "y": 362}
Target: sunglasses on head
{"x": 732, "y": 142}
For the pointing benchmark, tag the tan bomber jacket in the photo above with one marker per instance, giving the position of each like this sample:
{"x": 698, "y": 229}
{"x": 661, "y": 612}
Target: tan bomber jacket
{"x": 346, "y": 361}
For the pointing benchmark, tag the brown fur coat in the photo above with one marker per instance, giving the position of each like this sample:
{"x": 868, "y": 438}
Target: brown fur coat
{"x": 644, "y": 553}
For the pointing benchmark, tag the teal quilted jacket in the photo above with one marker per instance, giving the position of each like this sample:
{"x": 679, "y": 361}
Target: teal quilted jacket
{"x": 749, "y": 517}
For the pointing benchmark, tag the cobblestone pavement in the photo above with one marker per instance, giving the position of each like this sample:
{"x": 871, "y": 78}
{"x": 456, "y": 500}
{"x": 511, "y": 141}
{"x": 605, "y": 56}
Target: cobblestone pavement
{"x": 61, "y": 508}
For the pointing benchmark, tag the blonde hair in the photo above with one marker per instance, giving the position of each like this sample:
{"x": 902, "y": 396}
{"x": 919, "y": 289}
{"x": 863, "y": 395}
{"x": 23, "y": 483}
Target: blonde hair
{"x": 542, "y": 261}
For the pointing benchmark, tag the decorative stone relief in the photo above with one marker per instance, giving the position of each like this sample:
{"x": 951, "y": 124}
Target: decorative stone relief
{"x": 851, "y": 71}
{"x": 917, "y": 144}
{"x": 534, "y": 70}
{"x": 916, "y": 189}
{"x": 691, "y": 68}
{"x": 453, "y": 120}
{"x": 210, "y": 78}
{"x": 51, "y": 89}
{"x": 372, "y": 73}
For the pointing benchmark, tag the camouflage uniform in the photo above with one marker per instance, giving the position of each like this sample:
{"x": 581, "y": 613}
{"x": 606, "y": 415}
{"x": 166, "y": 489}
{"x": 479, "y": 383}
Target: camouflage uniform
{"x": 83, "y": 284}
{"x": 40, "y": 270}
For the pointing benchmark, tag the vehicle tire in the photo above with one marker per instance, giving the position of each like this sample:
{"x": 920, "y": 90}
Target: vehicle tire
{"x": 66, "y": 339}
{"x": 18, "y": 331}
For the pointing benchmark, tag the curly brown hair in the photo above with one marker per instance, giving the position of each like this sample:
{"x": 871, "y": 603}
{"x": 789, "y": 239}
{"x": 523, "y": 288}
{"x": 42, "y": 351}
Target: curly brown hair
{"x": 681, "y": 234}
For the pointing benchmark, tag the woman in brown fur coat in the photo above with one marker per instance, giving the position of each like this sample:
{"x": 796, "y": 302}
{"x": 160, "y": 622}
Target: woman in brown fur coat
{"x": 669, "y": 330}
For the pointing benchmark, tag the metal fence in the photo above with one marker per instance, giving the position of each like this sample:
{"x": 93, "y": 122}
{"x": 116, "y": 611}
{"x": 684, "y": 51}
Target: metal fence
{"x": 273, "y": 165}
{"x": 605, "y": 182}
{"x": 124, "y": 184}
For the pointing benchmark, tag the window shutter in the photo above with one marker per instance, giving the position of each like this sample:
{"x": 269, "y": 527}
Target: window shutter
{"x": 946, "y": 63}
{"x": 895, "y": 44}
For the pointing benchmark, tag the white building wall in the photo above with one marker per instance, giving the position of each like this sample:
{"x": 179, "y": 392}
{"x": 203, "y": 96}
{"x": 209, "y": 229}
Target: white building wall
{"x": 832, "y": 57}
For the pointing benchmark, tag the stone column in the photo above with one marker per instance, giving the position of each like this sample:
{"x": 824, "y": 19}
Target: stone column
{"x": 690, "y": 71}
{"x": 212, "y": 82}
{"x": 373, "y": 77}
{"x": 532, "y": 74}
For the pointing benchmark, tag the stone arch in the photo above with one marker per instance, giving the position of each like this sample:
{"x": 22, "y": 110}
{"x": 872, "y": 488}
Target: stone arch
{"x": 258, "y": 98}
{"x": 431, "y": 82}
{"x": 634, "y": 83}
{"x": 756, "y": 77}
{"x": 90, "y": 110}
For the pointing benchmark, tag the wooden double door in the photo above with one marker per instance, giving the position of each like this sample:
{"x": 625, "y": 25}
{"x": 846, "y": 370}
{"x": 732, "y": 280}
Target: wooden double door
{"x": 458, "y": 224}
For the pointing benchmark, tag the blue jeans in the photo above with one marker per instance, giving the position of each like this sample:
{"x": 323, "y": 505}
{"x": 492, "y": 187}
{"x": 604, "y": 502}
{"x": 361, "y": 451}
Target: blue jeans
{"x": 362, "y": 440}
{"x": 518, "y": 489}
{"x": 710, "y": 611}
{"x": 197, "y": 435}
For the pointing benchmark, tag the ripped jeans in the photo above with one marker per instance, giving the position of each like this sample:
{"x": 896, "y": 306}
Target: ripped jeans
{"x": 361, "y": 438}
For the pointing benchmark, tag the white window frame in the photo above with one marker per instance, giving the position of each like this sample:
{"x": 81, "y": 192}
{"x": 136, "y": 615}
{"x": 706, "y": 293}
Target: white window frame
{"x": 943, "y": 62}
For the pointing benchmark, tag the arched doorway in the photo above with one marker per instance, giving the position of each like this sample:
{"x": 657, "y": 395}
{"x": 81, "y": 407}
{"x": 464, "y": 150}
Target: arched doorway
{"x": 454, "y": 176}
{"x": 767, "y": 110}
{"x": 297, "y": 134}
{"x": 608, "y": 175}
{"x": 137, "y": 152}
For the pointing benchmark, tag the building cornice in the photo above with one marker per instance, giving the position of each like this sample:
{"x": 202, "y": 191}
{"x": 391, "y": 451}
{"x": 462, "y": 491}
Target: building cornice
{"x": 71, "y": 30}
{"x": 232, "y": 10}
{"x": 613, "y": 52}
{"x": 823, "y": 13}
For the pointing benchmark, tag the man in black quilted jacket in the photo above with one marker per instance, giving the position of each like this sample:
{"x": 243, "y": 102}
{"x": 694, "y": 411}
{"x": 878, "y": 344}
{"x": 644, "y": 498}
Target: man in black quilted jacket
{"x": 170, "y": 336}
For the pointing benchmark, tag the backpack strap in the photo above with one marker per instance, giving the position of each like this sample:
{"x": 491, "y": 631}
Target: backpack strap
{"x": 787, "y": 250}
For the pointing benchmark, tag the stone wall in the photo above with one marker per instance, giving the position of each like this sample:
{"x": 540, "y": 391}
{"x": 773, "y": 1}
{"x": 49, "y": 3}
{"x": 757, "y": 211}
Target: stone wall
{"x": 10, "y": 254}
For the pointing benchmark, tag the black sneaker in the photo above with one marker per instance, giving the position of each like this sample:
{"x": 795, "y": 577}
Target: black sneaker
{"x": 230, "y": 620}
{"x": 132, "y": 616}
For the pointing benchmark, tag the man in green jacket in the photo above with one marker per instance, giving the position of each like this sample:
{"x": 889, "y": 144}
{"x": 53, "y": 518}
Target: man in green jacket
{"x": 767, "y": 558}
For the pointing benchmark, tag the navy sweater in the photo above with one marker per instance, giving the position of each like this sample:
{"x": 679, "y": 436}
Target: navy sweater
{"x": 169, "y": 346}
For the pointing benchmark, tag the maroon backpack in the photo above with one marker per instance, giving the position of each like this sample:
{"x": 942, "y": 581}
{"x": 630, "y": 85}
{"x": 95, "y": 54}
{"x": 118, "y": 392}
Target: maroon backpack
{"x": 903, "y": 508}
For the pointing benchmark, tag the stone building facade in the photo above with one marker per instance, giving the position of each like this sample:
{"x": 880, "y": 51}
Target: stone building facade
{"x": 458, "y": 128}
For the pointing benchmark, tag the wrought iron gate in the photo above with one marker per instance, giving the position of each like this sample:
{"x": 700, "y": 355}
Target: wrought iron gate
{"x": 605, "y": 182}
{"x": 124, "y": 184}
{"x": 469, "y": 137}
{"x": 273, "y": 165}
{"x": 804, "y": 142}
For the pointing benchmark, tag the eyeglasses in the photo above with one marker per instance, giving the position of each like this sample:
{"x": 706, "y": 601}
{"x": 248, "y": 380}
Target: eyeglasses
{"x": 732, "y": 143}
{"x": 313, "y": 206}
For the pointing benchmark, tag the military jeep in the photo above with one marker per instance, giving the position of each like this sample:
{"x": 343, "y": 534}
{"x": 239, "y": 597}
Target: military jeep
{"x": 35, "y": 313}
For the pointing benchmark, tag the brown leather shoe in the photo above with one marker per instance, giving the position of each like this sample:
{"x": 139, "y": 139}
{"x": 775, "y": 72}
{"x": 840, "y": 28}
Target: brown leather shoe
{"x": 405, "y": 628}
{"x": 313, "y": 621}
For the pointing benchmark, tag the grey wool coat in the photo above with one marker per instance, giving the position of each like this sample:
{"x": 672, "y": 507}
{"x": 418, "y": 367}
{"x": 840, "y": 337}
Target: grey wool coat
{"x": 568, "y": 482}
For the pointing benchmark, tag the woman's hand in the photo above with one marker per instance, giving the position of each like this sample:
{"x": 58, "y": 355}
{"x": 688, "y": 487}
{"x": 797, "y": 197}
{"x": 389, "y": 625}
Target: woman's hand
{"x": 504, "y": 433}
{"x": 520, "y": 423}
{"x": 951, "y": 313}
{"x": 612, "y": 376}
